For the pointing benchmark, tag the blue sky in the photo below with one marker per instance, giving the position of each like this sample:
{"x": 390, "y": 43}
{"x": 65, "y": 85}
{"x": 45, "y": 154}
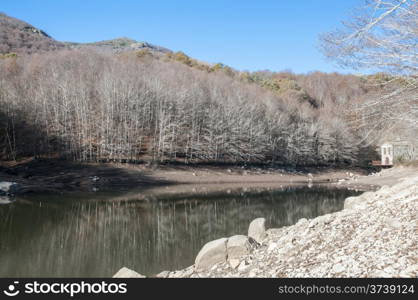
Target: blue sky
{"x": 247, "y": 35}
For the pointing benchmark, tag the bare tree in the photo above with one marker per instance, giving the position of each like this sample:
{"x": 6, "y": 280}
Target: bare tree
{"x": 383, "y": 36}
{"x": 91, "y": 106}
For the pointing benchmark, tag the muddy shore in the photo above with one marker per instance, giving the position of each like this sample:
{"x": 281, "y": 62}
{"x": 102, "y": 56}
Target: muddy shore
{"x": 135, "y": 182}
{"x": 52, "y": 176}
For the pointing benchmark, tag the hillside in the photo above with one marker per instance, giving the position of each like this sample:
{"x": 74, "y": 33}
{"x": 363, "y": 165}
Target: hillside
{"x": 118, "y": 45}
{"x": 90, "y": 103}
{"x": 17, "y": 36}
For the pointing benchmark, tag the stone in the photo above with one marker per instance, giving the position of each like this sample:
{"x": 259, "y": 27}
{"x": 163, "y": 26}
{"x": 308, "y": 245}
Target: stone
{"x": 163, "y": 274}
{"x": 411, "y": 271}
{"x": 271, "y": 247}
{"x": 5, "y": 200}
{"x": 187, "y": 273}
{"x": 325, "y": 219}
{"x": 312, "y": 223}
{"x": 380, "y": 274}
{"x": 238, "y": 245}
{"x": 368, "y": 195}
{"x": 243, "y": 266}
{"x": 212, "y": 253}
{"x": 302, "y": 221}
{"x": 257, "y": 229}
{"x": 354, "y": 202}
{"x": 252, "y": 274}
{"x": 338, "y": 268}
{"x": 7, "y": 187}
{"x": 234, "y": 263}
{"x": 392, "y": 222}
{"x": 127, "y": 273}
{"x": 95, "y": 178}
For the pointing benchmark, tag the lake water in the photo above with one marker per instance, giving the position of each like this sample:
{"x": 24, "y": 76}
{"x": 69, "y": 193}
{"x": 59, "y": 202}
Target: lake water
{"x": 80, "y": 237}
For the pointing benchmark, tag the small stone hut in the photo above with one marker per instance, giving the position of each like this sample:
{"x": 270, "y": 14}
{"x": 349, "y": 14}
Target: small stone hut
{"x": 396, "y": 151}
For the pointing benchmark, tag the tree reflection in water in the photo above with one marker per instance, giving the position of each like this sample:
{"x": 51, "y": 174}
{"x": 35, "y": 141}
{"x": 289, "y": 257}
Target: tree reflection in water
{"x": 82, "y": 238}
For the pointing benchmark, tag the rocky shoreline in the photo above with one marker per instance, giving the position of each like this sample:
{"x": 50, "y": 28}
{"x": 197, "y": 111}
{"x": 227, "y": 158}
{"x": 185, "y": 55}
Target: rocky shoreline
{"x": 376, "y": 235}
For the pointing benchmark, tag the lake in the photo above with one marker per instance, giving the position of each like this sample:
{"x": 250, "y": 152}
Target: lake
{"x": 82, "y": 236}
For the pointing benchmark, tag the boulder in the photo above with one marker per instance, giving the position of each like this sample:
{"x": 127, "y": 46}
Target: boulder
{"x": 5, "y": 200}
{"x": 234, "y": 263}
{"x": 368, "y": 195}
{"x": 257, "y": 229}
{"x": 163, "y": 274}
{"x": 186, "y": 273}
{"x": 354, "y": 202}
{"x": 243, "y": 266}
{"x": 127, "y": 273}
{"x": 237, "y": 246}
{"x": 302, "y": 222}
{"x": 6, "y": 187}
{"x": 212, "y": 253}
{"x": 271, "y": 247}
{"x": 325, "y": 219}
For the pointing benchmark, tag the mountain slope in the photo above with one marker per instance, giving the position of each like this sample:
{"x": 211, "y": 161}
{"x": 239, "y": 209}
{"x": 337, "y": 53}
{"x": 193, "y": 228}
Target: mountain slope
{"x": 118, "y": 45}
{"x": 20, "y": 37}
{"x": 17, "y": 36}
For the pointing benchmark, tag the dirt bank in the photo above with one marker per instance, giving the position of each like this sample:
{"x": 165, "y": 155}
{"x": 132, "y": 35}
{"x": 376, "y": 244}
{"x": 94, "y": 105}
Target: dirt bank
{"x": 39, "y": 176}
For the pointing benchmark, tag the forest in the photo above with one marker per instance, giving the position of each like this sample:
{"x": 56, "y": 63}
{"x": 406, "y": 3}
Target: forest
{"x": 90, "y": 106}
{"x": 84, "y": 104}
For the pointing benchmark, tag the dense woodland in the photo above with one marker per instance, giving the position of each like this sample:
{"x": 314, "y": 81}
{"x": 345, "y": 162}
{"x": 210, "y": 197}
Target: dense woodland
{"x": 89, "y": 105}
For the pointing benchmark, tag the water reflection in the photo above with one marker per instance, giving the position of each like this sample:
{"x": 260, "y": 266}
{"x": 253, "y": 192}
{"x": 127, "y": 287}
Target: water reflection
{"x": 95, "y": 238}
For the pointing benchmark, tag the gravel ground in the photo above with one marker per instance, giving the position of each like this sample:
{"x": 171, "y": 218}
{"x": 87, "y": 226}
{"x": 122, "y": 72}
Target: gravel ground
{"x": 375, "y": 236}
